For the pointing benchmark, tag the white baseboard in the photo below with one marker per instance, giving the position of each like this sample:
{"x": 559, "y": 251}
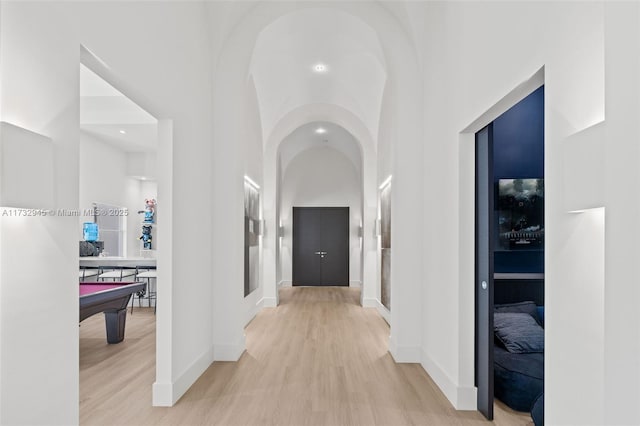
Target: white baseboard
{"x": 356, "y": 284}
{"x": 285, "y": 283}
{"x": 252, "y": 309}
{"x": 370, "y": 303}
{"x": 167, "y": 394}
{"x": 229, "y": 352}
{"x": 384, "y": 312}
{"x": 269, "y": 302}
{"x": 403, "y": 354}
{"x": 462, "y": 398}
{"x": 162, "y": 395}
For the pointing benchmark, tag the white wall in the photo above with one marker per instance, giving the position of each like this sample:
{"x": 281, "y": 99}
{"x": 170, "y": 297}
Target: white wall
{"x": 35, "y": 316}
{"x": 621, "y": 251}
{"x": 166, "y": 69}
{"x": 321, "y": 177}
{"x": 477, "y": 53}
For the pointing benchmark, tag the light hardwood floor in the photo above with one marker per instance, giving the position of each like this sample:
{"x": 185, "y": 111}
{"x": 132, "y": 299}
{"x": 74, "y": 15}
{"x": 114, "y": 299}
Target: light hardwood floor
{"x": 317, "y": 359}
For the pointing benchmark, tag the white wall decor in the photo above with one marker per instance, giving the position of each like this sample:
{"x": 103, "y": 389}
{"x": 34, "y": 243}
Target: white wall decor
{"x": 26, "y": 168}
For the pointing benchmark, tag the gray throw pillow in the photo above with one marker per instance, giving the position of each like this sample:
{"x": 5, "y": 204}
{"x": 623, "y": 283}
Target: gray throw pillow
{"x": 518, "y": 332}
{"x": 528, "y": 307}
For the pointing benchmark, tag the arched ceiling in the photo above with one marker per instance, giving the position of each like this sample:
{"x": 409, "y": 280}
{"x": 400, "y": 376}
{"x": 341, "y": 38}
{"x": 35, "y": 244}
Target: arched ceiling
{"x": 306, "y": 137}
{"x": 288, "y": 49}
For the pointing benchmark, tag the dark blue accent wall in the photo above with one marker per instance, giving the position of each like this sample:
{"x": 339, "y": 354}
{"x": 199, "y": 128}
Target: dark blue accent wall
{"x": 518, "y": 152}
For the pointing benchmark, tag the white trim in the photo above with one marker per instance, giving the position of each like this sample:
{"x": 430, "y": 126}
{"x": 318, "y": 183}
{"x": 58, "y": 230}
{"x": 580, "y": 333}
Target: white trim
{"x": 285, "y": 283}
{"x": 167, "y": 394}
{"x": 251, "y": 314}
{"x": 355, "y": 283}
{"x": 462, "y": 398}
{"x": 382, "y": 310}
{"x": 269, "y": 302}
{"x": 230, "y": 352}
{"x": 162, "y": 395}
{"x": 523, "y": 90}
{"x": 370, "y": 303}
{"x": 403, "y": 354}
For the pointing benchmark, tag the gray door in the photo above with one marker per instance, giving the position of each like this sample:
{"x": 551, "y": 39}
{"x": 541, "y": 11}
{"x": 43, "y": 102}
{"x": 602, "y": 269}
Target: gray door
{"x": 320, "y": 253}
{"x": 484, "y": 271}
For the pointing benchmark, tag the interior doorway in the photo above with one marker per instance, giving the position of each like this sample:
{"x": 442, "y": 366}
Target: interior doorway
{"x": 320, "y": 246}
{"x": 118, "y": 155}
{"x": 509, "y": 259}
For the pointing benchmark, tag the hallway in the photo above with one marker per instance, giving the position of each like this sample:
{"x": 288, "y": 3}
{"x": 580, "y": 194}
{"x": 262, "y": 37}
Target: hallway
{"x": 318, "y": 358}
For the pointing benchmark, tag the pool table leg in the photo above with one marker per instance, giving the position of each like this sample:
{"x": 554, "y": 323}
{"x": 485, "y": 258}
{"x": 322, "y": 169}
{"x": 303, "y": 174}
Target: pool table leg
{"x": 115, "y": 321}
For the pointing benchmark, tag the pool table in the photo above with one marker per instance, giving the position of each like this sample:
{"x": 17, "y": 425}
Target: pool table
{"x": 111, "y": 298}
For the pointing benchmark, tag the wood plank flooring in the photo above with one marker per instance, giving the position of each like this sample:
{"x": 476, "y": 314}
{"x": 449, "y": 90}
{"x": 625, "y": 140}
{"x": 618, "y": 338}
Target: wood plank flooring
{"x": 317, "y": 359}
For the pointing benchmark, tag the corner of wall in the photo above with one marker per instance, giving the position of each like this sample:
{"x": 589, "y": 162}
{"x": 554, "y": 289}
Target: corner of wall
{"x": 269, "y": 302}
{"x": 229, "y": 352}
{"x": 403, "y": 354}
{"x": 370, "y": 303}
{"x": 167, "y": 394}
{"x": 162, "y": 394}
{"x": 462, "y": 398}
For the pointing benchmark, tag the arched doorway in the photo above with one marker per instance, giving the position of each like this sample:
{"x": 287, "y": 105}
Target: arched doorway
{"x": 320, "y": 167}
{"x": 396, "y": 98}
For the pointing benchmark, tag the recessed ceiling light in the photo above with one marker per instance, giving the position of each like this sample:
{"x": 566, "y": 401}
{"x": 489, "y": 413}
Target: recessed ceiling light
{"x": 320, "y": 68}
{"x": 123, "y": 132}
{"x": 321, "y": 130}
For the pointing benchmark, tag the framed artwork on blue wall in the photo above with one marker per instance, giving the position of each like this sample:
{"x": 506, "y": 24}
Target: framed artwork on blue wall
{"x": 520, "y": 214}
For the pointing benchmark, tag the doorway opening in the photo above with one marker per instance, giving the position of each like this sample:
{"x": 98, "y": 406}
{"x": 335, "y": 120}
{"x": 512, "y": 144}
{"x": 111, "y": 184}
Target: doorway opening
{"x": 509, "y": 259}
{"x": 117, "y": 230}
{"x": 319, "y": 207}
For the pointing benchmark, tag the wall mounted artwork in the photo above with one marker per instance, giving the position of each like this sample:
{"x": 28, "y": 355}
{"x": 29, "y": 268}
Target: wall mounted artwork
{"x": 385, "y": 245}
{"x": 521, "y": 214}
{"x": 251, "y": 237}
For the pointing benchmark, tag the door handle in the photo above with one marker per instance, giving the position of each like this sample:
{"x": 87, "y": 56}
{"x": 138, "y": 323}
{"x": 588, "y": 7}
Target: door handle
{"x": 318, "y": 253}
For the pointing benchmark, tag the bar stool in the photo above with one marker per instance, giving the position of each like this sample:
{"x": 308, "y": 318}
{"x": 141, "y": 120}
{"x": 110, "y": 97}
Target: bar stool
{"x": 117, "y": 274}
{"x": 147, "y": 274}
{"x": 85, "y": 273}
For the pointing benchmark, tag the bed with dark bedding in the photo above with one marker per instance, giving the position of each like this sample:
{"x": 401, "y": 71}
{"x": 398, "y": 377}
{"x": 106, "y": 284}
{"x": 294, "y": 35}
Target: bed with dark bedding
{"x": 519, "y": 357}
{"x": 518, "y": 378}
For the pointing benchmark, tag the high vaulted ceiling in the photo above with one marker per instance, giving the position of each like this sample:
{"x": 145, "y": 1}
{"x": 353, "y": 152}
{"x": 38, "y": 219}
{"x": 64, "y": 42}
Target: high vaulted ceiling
{"x": 306, "y": 137}
{"x": 287, "y": 51}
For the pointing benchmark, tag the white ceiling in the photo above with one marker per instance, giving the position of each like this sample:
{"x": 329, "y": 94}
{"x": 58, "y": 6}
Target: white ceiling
{"x": 305, "y": 137}
{"x": 105, "y": 113}
{"x": 287, "y": 50}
